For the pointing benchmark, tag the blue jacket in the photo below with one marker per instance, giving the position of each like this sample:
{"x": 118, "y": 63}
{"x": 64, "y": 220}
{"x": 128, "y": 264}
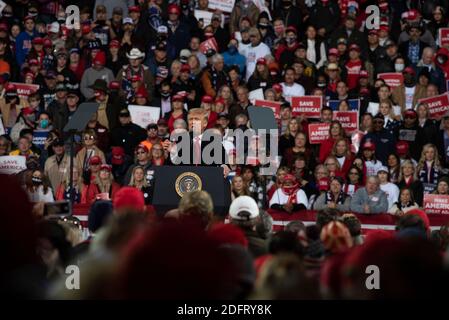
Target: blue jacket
{"x": 385, "y": 143}
{"x": 235, "y": 59}
{"x": 23, "y": 45}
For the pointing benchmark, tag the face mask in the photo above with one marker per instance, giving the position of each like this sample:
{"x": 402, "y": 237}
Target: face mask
{"x": 398, "y": 67}
{"x": 245, "y": 41}
{"x": 441, "y": 59}
{"x": 36, "y": 181}
{"x": 232, "y": 49}
{"x": 290, "y": 40}
{"x": 208, "y": 34}
{"x": 165, "y": 94}
{"x": 44, "y": 123}
{"x": 321, "y": 84}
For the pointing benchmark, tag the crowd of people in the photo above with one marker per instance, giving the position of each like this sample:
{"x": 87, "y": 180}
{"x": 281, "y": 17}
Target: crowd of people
{"x": 202, "y": 73}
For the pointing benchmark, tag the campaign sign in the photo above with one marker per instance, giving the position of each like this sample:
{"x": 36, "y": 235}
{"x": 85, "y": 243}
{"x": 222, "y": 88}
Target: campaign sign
{"x": 349, "y": 120}
{"x": 437, "y": 105}
{"x": 274, "y": 105}
{"x": 12, "y": 164}
{"x": 144, "y": 115}
{"x": 354, "y": 104}
{"x": 436, "y": 203}
{"x": 39, "y": 138}
{"x": 222, "y": 5}
{"x": 24, "y": 90}
{"x": 309, "y": 106}
{"x": 392, "y": 79}
{"x": 318, "y": 132}
{"x": 443, "y": 35}
{"x": 208, "y": 44}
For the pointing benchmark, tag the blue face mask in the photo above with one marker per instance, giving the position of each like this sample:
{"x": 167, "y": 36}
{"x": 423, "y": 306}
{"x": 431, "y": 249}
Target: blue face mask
{"x": 232, "y": 49}
{"x": 44, "y": 123}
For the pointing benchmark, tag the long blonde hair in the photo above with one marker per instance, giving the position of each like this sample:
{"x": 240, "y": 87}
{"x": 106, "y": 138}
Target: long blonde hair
{"x": 104, "y": 187}
{"x": 66, "y": 178}
{"x": 422, "y": 159}
{"x": 287, "y": 132}
{"x": 403, "y": 164}
{"x": 132, "y": 183}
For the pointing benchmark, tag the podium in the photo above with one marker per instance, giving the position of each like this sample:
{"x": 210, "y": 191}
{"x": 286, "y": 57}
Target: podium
{"x": 171, "y": 182}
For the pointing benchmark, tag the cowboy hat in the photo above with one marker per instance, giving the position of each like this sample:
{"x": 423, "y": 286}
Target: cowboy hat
{"x": 135, "y": 53}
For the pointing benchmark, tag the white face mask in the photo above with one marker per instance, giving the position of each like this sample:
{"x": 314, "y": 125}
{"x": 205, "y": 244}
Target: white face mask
{"x": 399, "y": 67}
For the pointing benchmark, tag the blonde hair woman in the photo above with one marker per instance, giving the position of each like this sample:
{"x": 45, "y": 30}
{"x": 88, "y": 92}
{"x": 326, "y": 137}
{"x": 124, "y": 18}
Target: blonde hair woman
{"x": 139, "y": 181}
{"x": 407, "y": 179}
{"x": 391, "y": 122}
{"x": 63, "y": 190}
{"x": 103, "y": 187}
{"x": 238, "y": 187}
{"x": 287, "y": 140}
{"x": 429, "y": 167}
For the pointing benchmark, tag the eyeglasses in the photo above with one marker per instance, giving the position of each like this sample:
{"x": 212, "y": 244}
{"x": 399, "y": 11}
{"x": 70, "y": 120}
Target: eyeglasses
{"x": 89, "y": 138}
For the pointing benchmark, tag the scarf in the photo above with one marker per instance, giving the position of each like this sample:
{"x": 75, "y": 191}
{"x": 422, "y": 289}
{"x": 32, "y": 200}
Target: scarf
{"x": 429, "y": 175}
{"x": 330, "y": 197}
{"x": 291, "y": 193}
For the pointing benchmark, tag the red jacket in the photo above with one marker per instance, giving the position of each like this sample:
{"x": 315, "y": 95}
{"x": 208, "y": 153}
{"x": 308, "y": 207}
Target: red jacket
{"x": 92, "y": 192}
{"x": 326, "y": 149}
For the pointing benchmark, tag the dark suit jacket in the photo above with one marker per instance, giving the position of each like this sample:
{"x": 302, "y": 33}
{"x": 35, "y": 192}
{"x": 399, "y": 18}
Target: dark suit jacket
{"x": 205, "y": 142}
{"x": 403, "y": 49}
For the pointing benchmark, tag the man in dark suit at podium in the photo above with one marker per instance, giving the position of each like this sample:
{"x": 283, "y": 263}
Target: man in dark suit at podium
{"x": 204, "y": 148}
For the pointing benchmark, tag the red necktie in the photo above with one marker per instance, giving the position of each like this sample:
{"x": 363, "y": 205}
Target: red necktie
{"x": 196, "y": 151}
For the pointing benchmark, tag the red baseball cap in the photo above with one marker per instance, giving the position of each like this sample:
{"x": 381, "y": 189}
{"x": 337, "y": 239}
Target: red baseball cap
{"x": 133, "y": 9}
{"x": 262, "y": 61}
{"x": 114, "y": 44}
{"x": 118, "y": 155}
{"x": 48, "y": 43}
{"x": 177, "y": 97}
{"x": 354, "y": 47}
{"x": 369, "y": 145}
{"x": 291, "y": 29}
{"x": 185, "y": 68}
{"x": 106, "y": 167}
{"x": 114, "y": 85}
{"x": 323, "y": 184}
{"x": 207, "y": 99}
{"x": 409, "y": 70}
{"x": 95, "y": 160}
{"x": 33, "y": 62}
{"x": 174, "y": 9}
{"x": 401, "y": 147}
{"x": 277, "y": 87}
{"x": 38, "y": 40}
{"x": 141, "y": 92}
{"x": 363, "y": 74}
{"x": 27, "y": 111}
{"x": 333, "y": 52}
{"x": 410, "y": 113}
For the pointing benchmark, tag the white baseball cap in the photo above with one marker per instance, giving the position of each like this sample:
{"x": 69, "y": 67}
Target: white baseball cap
{"x": 383, "y": 168}
{"x": 244, "y": 208}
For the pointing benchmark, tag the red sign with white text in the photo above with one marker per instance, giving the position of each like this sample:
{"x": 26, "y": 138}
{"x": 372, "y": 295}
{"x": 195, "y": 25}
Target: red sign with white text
{"x": 274, "y": 105}
{"x": 309, "y": 106}
{"x": 208, "y": 44}
{"x": 24, "y": 90}
{"x": 348, "y": 119}
{"x": 436, "y": 203}
{"x": 443, "y": 35}
{"x": 437, "y": 105}
{"x": 318, "y": 132}
{"x": 392, "y": 79}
